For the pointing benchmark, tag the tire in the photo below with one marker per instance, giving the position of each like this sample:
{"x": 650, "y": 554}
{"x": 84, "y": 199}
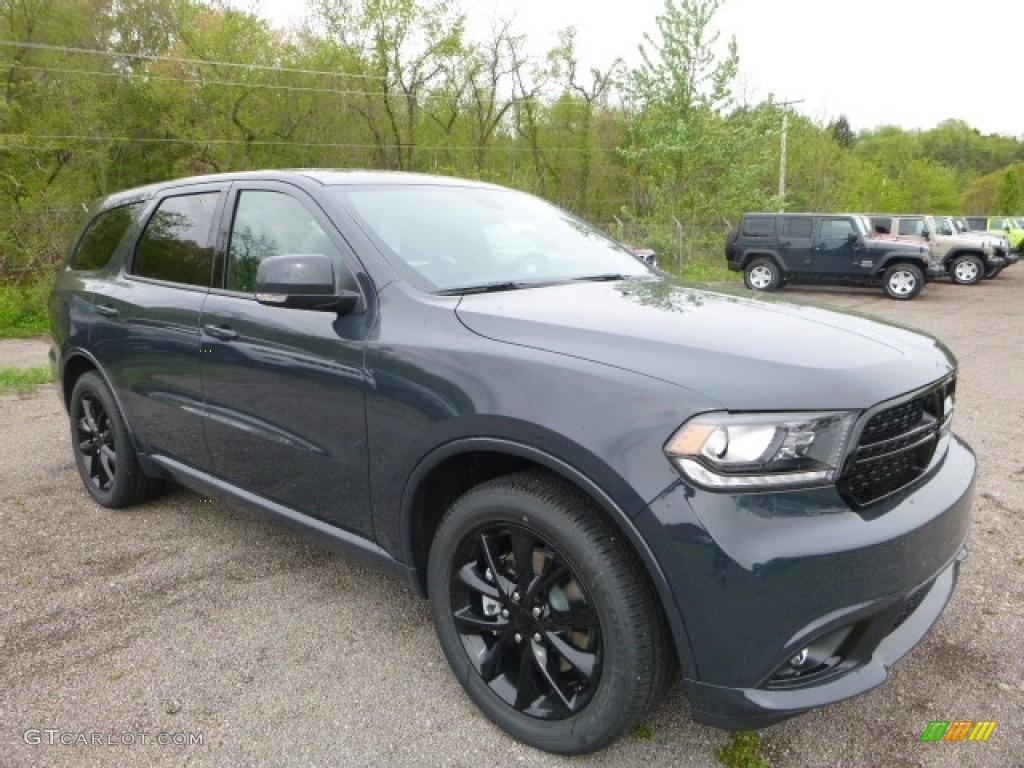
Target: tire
{"x": 902, "y": 281}
{"x": 104, "y": 453}
{"x": 967, "y": 269}
{"x": 763, "y": 274}
{"x": 567, "y": 659}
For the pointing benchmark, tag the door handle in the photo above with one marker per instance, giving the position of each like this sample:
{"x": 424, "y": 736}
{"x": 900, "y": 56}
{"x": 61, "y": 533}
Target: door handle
{"x": 106, "y": 310}
{"x": 222, "y": 332}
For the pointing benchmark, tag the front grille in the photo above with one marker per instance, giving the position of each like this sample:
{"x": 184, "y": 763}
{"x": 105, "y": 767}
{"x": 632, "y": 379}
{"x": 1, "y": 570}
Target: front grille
{"x": 895, "y": 446}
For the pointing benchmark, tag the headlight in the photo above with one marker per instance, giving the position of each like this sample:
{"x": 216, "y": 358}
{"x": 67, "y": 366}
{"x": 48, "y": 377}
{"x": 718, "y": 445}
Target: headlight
{"x": 762, "y": 450}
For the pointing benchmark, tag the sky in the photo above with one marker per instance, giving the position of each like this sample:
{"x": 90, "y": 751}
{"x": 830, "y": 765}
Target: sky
{"x": 909, "y": 63}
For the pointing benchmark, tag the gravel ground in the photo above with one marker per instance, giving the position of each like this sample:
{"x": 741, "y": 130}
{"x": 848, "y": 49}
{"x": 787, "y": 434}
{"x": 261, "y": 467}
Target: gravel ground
{"x": 188, "y": 618}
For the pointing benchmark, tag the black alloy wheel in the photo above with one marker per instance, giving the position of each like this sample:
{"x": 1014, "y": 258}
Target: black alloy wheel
{"x": 544, "y": 615}
{"x": 104, "y": 453}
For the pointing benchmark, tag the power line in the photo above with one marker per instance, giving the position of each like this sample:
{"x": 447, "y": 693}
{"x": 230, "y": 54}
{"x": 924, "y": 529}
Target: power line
{"x": 178, "y": 60}
{"x": 254, "y": 86}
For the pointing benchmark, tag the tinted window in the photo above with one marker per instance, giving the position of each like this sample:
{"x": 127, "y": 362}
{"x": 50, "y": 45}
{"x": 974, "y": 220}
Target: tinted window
{"x": 836, "y": 229}
{"x": 102, "y": 237}
{"x": 797, "y": 227}
{"x": 759, "y": 227}
{"x": 177, "y": 242}
{"x": 911, "y": 227}
{"x": 882, "y": 225}
{"x": 270, "y": 224}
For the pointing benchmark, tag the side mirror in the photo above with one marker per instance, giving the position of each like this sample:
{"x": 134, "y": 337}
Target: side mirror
{"x": 852, "y": 237}
{"x": 302, "y": 281}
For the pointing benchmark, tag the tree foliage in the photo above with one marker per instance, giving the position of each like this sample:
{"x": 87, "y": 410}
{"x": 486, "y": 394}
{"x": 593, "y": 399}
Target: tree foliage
{"x": 100, "y": 95}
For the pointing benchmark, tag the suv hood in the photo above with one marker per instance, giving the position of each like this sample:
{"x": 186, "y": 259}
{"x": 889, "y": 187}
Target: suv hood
{"x": 745, "y": 354}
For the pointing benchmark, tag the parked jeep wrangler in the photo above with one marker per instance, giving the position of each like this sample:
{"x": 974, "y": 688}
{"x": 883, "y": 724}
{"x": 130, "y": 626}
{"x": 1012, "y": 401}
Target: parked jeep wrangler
{"x": 966, "y": 258}
{"x": 1012, "y": 227}
{"x": 773, "y": 249}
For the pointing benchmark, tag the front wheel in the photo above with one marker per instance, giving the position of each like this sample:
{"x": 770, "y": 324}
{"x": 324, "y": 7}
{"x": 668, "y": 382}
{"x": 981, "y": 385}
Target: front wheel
{"x": 763, "y": 274}
{"x": 967, "y": 269}
{"x": 544, "y": 615}
{"x": 902, "y": 281}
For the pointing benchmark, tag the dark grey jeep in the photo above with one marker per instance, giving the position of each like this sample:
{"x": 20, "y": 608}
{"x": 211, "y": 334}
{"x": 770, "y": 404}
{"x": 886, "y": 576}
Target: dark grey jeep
{"x": 598, "y": 475}
{"x": 774, "y": 249}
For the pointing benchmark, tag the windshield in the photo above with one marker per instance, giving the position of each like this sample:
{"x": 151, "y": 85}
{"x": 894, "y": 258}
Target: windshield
{"x": 447, "y": 238}
{"x": 944, "y": 226}
{"x": 1018, "y": 222}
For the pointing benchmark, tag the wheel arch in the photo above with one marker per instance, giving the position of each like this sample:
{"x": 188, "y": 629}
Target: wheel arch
{"x": 765, "y": 253}
{"x": 452, "y": 469}
{"x": 892, "y": 259}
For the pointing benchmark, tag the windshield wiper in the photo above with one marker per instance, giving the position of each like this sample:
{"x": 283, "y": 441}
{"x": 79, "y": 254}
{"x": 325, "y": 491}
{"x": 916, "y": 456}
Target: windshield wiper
{"x": 599, "y": 278}
{"x": 502, "y": 285}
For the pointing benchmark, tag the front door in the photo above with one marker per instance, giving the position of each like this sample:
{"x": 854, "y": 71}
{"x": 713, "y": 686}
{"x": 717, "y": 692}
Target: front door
{"x": 839, "y": 254}
{"x": 285, "y": 389}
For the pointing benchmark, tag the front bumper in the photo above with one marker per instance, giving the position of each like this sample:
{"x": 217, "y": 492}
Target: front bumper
{"x": 757, "y": 578}
{"x": 1012, "y": 257}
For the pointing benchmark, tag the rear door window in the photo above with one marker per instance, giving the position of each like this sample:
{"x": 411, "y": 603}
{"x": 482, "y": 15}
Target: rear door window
{"x": 102, "y": 237}
{"x": 177, "y": 245}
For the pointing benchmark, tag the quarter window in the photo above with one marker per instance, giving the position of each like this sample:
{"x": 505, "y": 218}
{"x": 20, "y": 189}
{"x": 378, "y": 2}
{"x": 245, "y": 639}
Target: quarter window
{"x": 177, "y": 243}
{"x": 270, "y": 224}
{"x": 759, "y": 227}
{"x": 913, "y": 227}
{"x": 102, "y": 237}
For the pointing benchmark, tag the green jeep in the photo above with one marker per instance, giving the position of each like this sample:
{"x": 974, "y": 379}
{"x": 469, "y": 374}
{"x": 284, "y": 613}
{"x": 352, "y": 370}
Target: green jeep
{"x": 1010, "y": 226}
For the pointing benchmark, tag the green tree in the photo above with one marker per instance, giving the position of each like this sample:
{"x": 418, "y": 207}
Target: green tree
{"x": 1008, "y": 196}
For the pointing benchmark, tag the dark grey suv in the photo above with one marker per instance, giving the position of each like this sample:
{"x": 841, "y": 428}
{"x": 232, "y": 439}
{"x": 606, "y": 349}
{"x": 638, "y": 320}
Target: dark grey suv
{"x": 597, "y": 474}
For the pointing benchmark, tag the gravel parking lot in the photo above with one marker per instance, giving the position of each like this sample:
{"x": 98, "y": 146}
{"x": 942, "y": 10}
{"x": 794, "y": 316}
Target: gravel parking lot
{"x": 187, "y": 619}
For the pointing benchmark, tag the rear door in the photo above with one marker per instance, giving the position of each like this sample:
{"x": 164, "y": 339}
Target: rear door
{"x": 285, "y": 389}
{"x": 146, "y": 333}
{"x": 796, "y": 242}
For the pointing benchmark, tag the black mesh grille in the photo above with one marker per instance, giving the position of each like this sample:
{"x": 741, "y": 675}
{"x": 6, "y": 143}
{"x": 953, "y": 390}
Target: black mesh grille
{"x": 895, "y": 446}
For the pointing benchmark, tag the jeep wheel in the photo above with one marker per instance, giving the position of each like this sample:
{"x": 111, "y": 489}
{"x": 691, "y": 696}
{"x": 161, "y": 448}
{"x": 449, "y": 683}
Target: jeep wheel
{"x": 763, "y": 275}
{"x": 544, "y": 615}
{"x": 902, "y": 281}
{"x": 967, "y": 269}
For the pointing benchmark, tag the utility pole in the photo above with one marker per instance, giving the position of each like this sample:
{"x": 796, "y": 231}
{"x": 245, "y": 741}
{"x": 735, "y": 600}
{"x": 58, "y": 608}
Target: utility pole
{"x": 782, "y": 153}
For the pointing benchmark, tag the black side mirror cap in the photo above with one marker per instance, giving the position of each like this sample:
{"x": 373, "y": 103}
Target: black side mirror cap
{"x": 302, "y": 281}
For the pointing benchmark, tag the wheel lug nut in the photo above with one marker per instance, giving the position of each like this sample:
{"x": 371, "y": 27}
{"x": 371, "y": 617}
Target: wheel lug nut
{"x": 515, "y": 596}
{"x": 519, "y": 638}
{"x": 536, "y": 613}
{"x": 536, "y": 637}
{"x": 504, "y": 613}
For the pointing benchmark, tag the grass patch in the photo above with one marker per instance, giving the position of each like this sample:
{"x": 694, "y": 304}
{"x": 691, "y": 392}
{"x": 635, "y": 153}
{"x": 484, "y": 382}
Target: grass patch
{"x": 643, "y": 732}
{"x": 704, "y": 271}
{"x": 23, "y": 311}
{"x": 24, "y": 381}
{"x": 743, "y": 752}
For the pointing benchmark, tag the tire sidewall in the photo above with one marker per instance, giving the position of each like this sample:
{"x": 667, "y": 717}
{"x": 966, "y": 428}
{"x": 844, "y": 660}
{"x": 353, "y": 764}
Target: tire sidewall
{"x": 92, "y": 384}
{"x": 587, "y": 730}
{"x": 979, "y": 269}
{"x": 912, "y": 270}
{"x": 763, "y": 262}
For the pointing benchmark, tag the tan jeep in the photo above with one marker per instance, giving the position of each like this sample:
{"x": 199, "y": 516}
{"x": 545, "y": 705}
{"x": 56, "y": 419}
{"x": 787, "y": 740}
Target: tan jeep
{"x": 966, "y": 258}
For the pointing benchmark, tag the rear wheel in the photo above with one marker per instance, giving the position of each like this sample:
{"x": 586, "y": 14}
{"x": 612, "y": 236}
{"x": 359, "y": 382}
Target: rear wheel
{"x": 763, "y": 274}
{"x": 967, "y": 269}
{"x": 544, "y": 615}
{"x": 104, "y": 453}
{"x": 902, "y": 281}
